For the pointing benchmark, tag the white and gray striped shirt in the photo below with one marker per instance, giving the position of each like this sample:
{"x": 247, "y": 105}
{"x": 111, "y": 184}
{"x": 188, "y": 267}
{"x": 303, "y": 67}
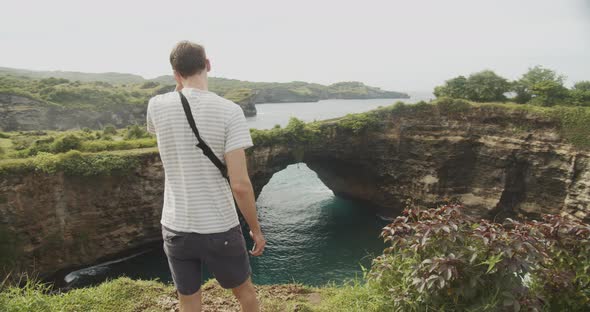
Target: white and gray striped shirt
{"x": 197, "y": 198}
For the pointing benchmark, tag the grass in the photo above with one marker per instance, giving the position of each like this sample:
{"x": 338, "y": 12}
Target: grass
{"x": 25, "y": 144}
{"x": 125, "y": 294}
{"x": 79, "y": 164}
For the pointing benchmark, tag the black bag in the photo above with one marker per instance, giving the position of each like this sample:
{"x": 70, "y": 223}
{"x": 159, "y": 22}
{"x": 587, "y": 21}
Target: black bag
{"x": 202, "y": 145}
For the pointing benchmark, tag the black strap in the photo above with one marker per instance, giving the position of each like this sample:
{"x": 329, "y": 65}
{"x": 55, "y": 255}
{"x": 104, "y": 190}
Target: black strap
{"x": 202, "y": 145}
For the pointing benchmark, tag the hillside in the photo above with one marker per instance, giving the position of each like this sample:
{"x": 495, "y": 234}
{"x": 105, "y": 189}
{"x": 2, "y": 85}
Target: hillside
{"x": 42, "y": 100}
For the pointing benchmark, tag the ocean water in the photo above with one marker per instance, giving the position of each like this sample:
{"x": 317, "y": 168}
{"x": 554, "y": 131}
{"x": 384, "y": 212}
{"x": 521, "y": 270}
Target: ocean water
{"x": 270, "y": 114}
{"x": 314, "y": 237}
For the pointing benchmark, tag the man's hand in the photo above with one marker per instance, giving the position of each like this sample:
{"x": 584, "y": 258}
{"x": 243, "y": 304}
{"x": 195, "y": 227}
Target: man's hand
{"x": 244, "y": 194}
{"x": 259, "y": 243}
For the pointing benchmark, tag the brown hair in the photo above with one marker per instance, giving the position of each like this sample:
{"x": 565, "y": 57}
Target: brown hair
{"x": 188, "y": 58}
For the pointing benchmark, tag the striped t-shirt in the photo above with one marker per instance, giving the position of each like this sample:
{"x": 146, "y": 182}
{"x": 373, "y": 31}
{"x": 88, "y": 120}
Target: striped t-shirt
{"x": 197, "y": 198}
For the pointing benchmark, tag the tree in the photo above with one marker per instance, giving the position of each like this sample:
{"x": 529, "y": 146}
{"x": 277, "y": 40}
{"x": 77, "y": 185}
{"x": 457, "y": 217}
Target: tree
{"x": 580, "y": 94}
{"x": 454, "y": 88}
{"x": 486, "y": 86}
{"x": 548, "y": 93}
{"x": 483, "y": 86}
{"x": 109, "y": 130}
{"x": 539, "y": 82}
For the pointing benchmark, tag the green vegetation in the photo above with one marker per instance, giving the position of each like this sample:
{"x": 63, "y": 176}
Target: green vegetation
{"x": 63, "y": 93}
{"x": 296, "y": 132}
{"x": 484, "y": 86}
{"x": 442, "y": 260}
{"x": 126, "y": 295}
{"x": 24, "y": 144}
{"x": 109, "y": 130}
{"x": 538, "y": 86}
{"x": 75, "y": 163}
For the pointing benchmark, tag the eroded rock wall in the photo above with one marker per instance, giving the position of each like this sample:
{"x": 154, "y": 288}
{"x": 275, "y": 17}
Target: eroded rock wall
{"x": 498, "y": 163}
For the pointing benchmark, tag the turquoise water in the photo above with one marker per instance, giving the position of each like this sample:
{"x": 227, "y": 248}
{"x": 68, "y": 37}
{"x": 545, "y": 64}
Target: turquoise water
{"x": 313, "y": 237}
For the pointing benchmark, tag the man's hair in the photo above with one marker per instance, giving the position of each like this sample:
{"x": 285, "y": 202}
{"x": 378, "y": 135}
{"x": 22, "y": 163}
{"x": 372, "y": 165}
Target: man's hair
{"x": 188, "y": 58}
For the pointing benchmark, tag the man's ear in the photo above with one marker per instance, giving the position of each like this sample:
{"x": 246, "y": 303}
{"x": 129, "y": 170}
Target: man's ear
{"x": 177, "y": 77}
{"x": 208, "y": 65}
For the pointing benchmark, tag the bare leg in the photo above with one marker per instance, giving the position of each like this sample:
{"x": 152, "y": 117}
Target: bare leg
{"x": 190, "y": 303}
{"x": 246, "y": 295}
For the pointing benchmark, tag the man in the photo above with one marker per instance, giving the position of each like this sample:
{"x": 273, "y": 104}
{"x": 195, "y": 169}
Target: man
{"x": 199, "y": 221}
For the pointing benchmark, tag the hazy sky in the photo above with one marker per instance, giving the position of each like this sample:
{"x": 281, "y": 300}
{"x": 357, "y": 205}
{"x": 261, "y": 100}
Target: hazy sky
{"x": 399, "y": 45}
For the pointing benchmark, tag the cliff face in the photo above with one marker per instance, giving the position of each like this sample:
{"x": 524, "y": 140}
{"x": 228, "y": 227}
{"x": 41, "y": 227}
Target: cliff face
{"x": 21, "y": 113}
{"x": 49, "y": 222}
{"x": 484, "y": 159}
{"x": 498, "y": 162}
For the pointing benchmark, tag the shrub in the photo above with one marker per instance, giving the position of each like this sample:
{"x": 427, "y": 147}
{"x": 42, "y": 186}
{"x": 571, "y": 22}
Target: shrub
{"x": 360, "y": 122}
{"x": 563, "y": 279}
{"x": 66, "y": 143}
{"x": 110, "y": 145}
{"x": 149, "y": 85}
{"x": 450, "y": 106}
{"x": 574, "y": 123}
{"x": 136, "y": 132}
{"x": 4, "y": 135}
{"x": 77, "y": 164}
{"x": 441, "y": 259}
{"x": 296, "y": 132}
{"x": 46, "y": 162}
{"x": 109, "y": 130}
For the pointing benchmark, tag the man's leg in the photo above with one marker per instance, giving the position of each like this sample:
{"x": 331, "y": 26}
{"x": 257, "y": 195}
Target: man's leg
{"x": 181, "y": 250}
{"x": 246, "y": 295}
{"x": 190, "y": 303}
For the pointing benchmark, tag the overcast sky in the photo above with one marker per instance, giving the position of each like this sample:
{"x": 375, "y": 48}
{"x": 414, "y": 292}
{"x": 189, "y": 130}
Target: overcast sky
{"x": 398, "y": 45}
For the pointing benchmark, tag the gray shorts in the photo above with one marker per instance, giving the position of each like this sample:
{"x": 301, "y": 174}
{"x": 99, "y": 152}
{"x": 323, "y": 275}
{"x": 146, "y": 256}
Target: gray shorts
{"x": 224, "y": 254}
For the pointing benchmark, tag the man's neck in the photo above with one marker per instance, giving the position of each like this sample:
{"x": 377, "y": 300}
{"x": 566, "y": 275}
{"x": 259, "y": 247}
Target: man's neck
{"x": 197, "y": 82}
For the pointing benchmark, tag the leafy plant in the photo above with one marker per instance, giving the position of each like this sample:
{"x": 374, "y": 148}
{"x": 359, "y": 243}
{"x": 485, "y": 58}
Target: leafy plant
{"x": 563, "y": 279}
{"x": 66, "y": 143}
{"x": 444, "y": 260}
{"x": 136, "y": 132}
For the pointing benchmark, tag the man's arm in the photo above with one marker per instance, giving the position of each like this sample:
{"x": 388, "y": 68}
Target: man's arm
{"x": 244, "y": 194}
{"x": 149, "y": 122}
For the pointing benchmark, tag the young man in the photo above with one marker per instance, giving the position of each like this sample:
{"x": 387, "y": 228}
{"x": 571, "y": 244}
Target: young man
{"x": 199, "y": 221}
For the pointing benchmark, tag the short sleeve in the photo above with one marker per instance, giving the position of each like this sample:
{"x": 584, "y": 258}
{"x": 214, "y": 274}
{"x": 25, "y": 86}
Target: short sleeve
{"x": 237, "y": 133}
{"x": 149, "y": 122}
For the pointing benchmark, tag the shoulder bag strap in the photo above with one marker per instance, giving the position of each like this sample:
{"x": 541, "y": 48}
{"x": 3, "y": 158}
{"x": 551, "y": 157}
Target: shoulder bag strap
{"x": 202, "y": 145}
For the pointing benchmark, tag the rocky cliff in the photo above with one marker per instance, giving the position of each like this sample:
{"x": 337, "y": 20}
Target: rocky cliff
{"x": 19, "y": 113}
{"x": 499, "y": 162}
